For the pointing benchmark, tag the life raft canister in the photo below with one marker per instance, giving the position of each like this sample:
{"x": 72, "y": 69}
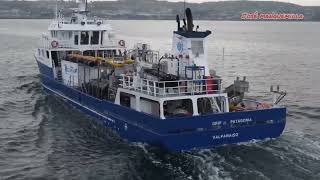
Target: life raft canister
{"x": 122, "y": 43}
{"x": 54, "y": 44}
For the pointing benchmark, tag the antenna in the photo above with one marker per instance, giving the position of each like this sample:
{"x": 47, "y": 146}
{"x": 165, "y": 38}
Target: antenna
{"x": 56, "y": 9}
{"x": 223, "y": 54}
{"x": 86, "y": 5}
{"x": 82, "y": 6}
{"x": 223, "y": 59}
{"x": 184, "y": 8}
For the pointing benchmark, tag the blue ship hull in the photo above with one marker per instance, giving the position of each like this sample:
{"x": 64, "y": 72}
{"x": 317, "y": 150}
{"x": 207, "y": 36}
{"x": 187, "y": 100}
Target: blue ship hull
{"x": 174, "y": 134}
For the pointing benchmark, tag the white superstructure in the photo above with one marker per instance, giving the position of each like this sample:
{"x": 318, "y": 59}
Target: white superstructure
{"x": 177, "y": 84}
{"x": 78, "y": 34}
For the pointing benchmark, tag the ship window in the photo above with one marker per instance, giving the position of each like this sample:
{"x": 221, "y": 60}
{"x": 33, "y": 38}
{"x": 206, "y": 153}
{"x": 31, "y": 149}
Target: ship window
{"x": 197, "y": 47}
{"x": 102, "y": 37}
{"x": 66, "y": 34}
{"x": 48, "y": 54}
{"x": 95, "y": 37}
{"x": 54, "y": 34}
{"x": 178, "y": 108}
{"x": 150, "y": 107}
{"x": 54, "y": 56}
{"x": 127, "y": 100}
{"x": 84, "y": 38}
{"x": 76, "y": 38}
{"x": 205, "y": 106}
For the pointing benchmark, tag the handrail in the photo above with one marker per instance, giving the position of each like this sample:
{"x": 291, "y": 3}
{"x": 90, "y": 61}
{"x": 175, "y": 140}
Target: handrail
{"x": 90, "y": 20}
{"x": 171, "y": 88}
{"x": 46, "y": 41}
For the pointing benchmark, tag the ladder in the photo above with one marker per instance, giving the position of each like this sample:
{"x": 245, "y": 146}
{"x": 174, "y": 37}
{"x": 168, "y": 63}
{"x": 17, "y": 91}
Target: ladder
{"x": 59, "y": 71}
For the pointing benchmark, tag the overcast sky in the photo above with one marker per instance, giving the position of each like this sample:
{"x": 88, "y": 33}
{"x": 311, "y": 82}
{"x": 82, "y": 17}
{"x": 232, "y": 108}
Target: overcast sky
{"x": 301, "y": 2}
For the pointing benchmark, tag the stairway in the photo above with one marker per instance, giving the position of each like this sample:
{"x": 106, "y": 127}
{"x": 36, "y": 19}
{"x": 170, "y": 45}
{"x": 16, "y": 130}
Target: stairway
{"x": 59, "y": 71}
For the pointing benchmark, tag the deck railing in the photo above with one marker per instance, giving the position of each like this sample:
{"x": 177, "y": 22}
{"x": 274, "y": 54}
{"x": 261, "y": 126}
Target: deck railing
{"x": 90, "y": 20}
{"x": 172, "y": 88}
{"x": 69, "y": 44}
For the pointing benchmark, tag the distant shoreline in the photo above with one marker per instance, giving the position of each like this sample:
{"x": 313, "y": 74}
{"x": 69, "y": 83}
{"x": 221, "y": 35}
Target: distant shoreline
{"x": 146, "y": 19}
{"x": 161, "y": 10}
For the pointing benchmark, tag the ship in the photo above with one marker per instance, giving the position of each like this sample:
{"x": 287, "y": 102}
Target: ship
{"x": 172, "y": 101}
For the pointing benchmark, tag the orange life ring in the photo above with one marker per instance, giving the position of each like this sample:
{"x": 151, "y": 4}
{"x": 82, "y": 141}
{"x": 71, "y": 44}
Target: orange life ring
{"x": 122, "y": 43}
{"x": 54, "y": 44}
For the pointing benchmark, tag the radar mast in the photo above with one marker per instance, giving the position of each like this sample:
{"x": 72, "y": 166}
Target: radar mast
{"x": 83, "y": 6}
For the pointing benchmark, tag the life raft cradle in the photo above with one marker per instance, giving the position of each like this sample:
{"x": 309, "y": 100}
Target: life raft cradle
{"x": 241, "y": 108}
{"x": 100, "y": 60}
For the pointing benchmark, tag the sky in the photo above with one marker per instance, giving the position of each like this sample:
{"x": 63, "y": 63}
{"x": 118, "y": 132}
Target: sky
{"x": 300, "y": 2}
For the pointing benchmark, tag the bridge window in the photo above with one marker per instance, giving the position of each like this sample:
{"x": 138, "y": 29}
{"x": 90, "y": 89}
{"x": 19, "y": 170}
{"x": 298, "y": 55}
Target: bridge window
{"x": 48, "y": 54}
{"x": 208, "y": 106}
{"x": 84, "y": 38}
{"x": 95, "y": 38}
{"x": 76, "y": 38}
{"x": 54, "y": 34}
{"x": 102, "y": 37}
{"x": 150, "y": 107}
{"x": 178, "y": 108}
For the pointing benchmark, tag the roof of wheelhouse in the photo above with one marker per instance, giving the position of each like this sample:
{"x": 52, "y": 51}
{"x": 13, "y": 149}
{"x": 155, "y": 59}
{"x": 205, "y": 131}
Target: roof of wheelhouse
{"x": 78, "y": 21}
{"x": 60, "y": 26}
